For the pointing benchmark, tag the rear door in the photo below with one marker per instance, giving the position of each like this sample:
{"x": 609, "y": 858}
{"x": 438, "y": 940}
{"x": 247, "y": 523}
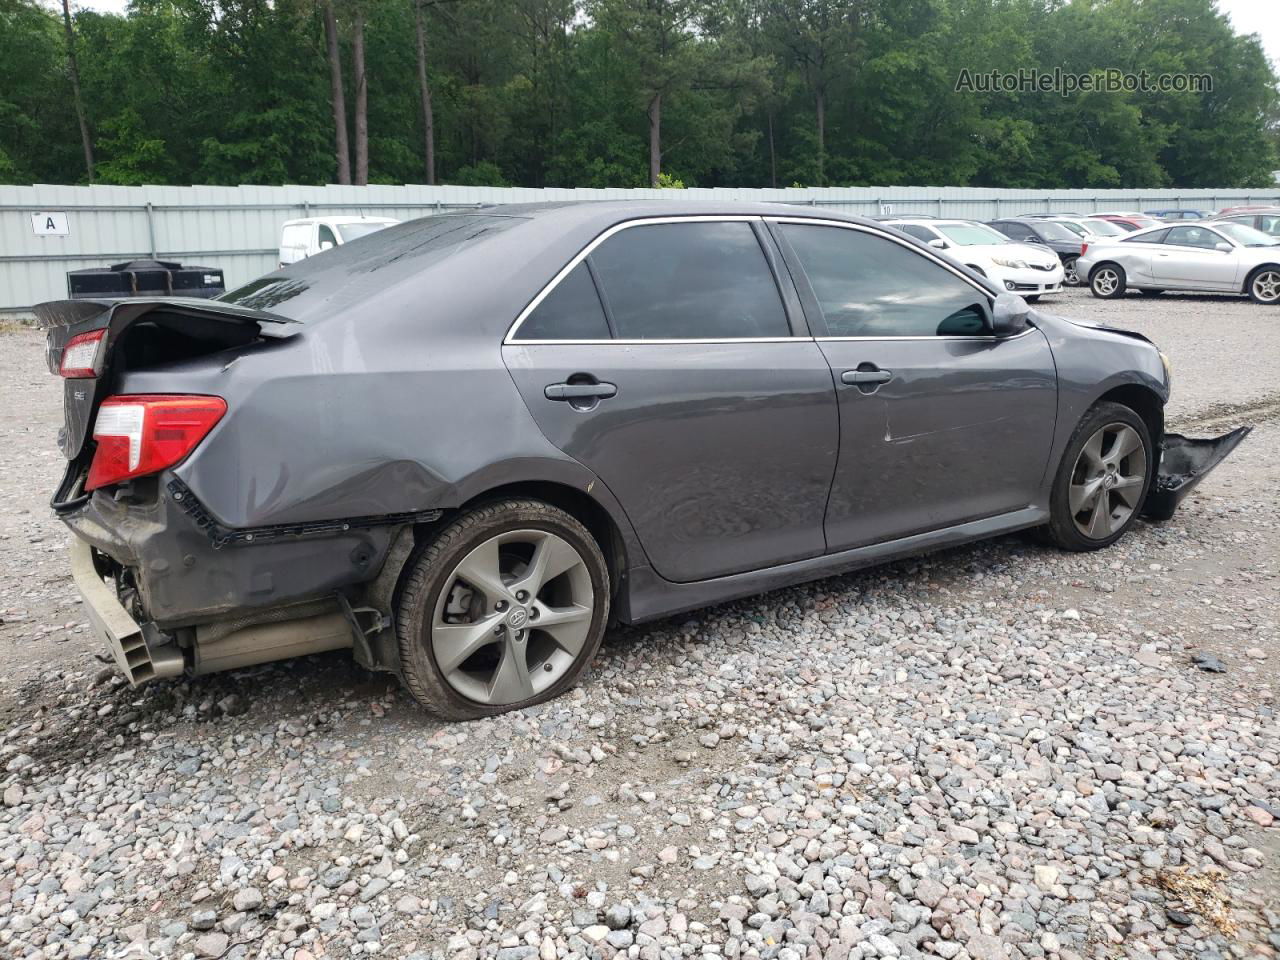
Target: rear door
{"x": 669, "y": 359}
{"x": 940, "y": 422}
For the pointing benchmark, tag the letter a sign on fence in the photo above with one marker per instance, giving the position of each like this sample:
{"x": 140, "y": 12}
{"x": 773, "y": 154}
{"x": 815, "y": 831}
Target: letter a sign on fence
{"x": 50, "y": 225}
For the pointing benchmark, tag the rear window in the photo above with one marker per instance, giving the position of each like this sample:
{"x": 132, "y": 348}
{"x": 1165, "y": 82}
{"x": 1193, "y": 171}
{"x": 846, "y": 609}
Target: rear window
{"x": 352, "y": 231}
{"x": 416, "y": 243}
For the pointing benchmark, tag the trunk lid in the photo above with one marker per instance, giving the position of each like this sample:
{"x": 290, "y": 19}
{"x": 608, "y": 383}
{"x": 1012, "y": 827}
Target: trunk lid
{"x": 142, "y": 332}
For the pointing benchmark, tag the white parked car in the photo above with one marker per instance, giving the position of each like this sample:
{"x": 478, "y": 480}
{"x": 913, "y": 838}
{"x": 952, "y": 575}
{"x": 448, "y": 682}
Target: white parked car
{"x": 1018, "y": 267}
{"x": 1217, "y": 257}
{"x": 1089, "y": 227}
{"x": 300, "y": 239}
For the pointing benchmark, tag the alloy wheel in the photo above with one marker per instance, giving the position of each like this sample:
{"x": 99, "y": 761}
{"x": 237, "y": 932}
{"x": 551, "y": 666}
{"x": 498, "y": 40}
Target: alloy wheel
{"x": 1069, "y": 275}
{"x": 512, "y": 617}
{"x": 1107, "y": 481}
{"x": 1266, "y": 286}
{"x": 1106, "y": 281}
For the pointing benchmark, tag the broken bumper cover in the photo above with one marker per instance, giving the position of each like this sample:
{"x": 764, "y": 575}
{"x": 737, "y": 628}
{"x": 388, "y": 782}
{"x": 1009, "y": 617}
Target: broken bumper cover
{"x": 115, "y": 628}
{"x": 1184, "y": 462}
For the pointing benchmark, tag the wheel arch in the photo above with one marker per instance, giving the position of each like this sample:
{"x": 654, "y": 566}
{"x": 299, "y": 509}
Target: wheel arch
{"x": 1248, "y": 280}
{"x": 580, "y": 505}
{"x": 1106, "y": 263}
{"x": 1143, "y": 401}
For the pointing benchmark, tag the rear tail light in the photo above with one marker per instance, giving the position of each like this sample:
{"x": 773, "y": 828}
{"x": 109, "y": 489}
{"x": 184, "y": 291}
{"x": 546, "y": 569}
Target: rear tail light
{"x": 143, "y": 434}
{"x": 1084, "y": 248}
{"x": 80, "y": 355}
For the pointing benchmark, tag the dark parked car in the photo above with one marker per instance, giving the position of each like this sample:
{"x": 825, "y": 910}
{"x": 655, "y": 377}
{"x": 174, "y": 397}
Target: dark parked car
{"x": 463, "y": 444}
{"x": 1065, "y": 243}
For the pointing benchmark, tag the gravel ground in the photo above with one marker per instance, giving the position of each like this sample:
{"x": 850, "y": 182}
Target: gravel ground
{"x": 1000, "y": 751}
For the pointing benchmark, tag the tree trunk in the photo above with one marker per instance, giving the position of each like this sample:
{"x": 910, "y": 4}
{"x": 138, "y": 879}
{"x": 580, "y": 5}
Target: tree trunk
{"x": 73, "y": 68}
{"x": 428, "y": 117}
{"x": 362, "y": 99}
{"x": 821, "y": 103}
{"x": 340, "y": 149}
{"x": 773, "y": 157}
{"x": 655, "y": 139}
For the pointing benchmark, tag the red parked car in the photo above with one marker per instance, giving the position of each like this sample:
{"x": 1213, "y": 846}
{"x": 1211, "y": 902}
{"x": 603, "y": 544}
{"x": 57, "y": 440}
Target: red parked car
{"x": 1129, "y": 221}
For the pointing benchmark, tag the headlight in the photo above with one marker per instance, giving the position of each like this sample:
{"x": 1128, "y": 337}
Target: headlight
{"x": 1168, "y": 367}
{"x": 1015, "y": 264}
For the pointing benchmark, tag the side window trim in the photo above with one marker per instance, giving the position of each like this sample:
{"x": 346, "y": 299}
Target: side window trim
{"x": 813, "y": 311}
{"x": 604, "y": 299}
{"x": 585, "y": 254}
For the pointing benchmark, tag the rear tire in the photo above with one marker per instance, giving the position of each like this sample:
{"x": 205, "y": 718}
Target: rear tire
{"x": 1263, "y": 285}
{"x": 1069, "y": 275}
{"x": 1102, "y": 479}
{"x": 505, "y": 608}
{"x": 1107, "y": 281}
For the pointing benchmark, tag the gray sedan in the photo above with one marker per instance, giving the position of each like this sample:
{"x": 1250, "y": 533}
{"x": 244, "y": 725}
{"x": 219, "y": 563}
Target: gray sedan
{"x": 460, "y": 447}
{"x": 1217, "y": 256}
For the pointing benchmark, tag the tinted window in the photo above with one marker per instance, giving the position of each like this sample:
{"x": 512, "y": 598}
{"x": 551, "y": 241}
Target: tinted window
{"x": 571, "y": 311}
{"x": 869, "y": 286}
{"x": 326, "y": 235}
{"x": 683, "y": 281}
{"x": 1269, "y": 223}
{"x": 920, "y": 233}
{"x": 1156, "y": 236}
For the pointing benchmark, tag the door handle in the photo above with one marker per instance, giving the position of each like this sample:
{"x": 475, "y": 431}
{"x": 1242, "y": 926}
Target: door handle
{"x": 866, "y": 376}
{"x": 580, "y": 391}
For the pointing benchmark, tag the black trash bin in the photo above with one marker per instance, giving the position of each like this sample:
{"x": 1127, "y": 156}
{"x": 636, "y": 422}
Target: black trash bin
{"x": 145, "y": 278}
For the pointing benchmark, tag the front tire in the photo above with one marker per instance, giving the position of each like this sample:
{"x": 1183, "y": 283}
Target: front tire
{"x": 1107, "y": 281}
{"x": 1264, "y": 285}
{"x": 505, "y": 608}
{"x": 1102, "y": 479}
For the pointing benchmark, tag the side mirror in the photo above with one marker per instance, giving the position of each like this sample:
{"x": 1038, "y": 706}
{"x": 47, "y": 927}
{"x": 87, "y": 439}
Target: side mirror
{"x": 1223, "y": 246}
{"x": 1009, "y": 315}
{"x": 939, "y": 244}
{"x": 326, "y": 245}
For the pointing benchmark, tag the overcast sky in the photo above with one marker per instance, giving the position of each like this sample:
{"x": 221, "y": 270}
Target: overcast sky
{"x": 1248, "y": 16}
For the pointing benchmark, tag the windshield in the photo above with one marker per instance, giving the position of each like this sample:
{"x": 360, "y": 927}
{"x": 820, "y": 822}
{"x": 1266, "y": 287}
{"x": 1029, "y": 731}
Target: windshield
{"x": 1055, "y": 231}
{"x": 970, "y": 234}
{"x": 1103, "y": 228}
{"x": 350, "y": 231}
{"x": 1247, "y": 236}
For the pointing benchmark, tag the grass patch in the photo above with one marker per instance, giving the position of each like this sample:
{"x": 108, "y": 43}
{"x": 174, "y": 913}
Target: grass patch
{"x": 1201, "y": 893}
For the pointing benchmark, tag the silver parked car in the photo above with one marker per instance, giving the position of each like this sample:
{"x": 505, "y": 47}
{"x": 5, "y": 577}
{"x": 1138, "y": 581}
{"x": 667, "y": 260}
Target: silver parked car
{"x": 1217, "y": 256}
{"x": 463, "y": 445}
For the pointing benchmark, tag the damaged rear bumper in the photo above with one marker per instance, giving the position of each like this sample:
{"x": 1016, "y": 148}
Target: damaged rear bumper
{"x": 115, "y": 629}
{"x": 1184, "y": 462}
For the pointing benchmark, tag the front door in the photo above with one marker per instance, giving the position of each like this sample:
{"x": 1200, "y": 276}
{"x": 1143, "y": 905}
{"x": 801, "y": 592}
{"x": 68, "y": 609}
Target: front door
{"x": 940, "y": 422}
{"x": 665, "y": 362}
{"x": 1189, "y": 258}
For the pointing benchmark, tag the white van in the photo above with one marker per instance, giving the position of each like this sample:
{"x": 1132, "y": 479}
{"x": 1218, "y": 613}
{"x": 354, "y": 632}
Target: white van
{"x": 300, "y": 239}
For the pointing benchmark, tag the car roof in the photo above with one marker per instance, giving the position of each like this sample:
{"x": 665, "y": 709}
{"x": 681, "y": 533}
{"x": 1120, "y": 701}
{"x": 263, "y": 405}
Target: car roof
{"x": 479, "y": 281}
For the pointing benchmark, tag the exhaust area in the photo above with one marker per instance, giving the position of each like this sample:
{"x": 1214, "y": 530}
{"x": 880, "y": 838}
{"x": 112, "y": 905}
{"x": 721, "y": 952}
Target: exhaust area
{"x": 216, "y": 649}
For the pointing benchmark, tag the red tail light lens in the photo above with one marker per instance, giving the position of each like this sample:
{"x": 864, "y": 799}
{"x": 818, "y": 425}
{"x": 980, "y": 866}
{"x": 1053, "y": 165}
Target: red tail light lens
{"x": 144, "y": 433}
{"x": 80, "y": 355}
{"x": 1084, "y": 248}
